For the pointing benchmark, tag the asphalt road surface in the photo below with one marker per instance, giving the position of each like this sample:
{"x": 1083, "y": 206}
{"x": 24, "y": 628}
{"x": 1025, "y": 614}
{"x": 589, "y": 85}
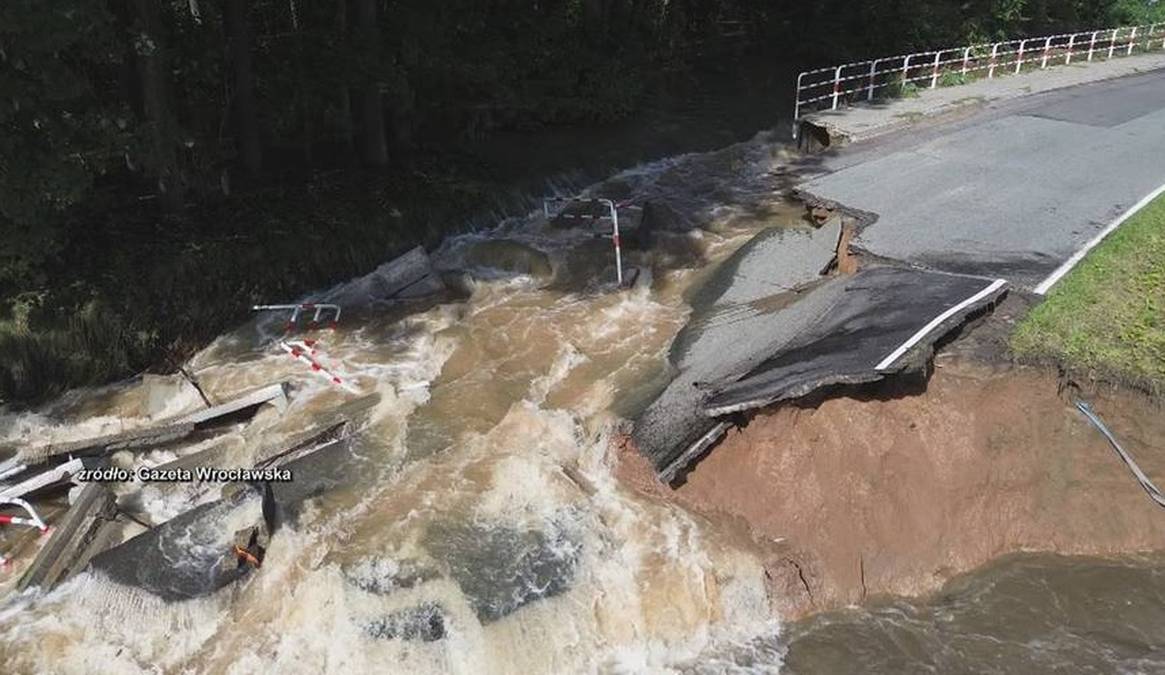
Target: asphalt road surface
{"x": 1012, "y": 192}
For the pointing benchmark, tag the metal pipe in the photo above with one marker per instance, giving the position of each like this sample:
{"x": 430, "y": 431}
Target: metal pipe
{"x": 934, "y": 73}
{"x": 1019, "y": 61}
{"x": 1092, "y": 45}
{"x": 1071, "y": 44}
{"x": 873, "y": 74}
{"x": 1047, "y": 46}
{"x": 994, "y": 54}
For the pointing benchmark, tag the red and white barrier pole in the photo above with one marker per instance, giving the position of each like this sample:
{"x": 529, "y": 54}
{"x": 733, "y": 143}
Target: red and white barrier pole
{"x": 33, "y": 521}
{"x": 304, "y": 351}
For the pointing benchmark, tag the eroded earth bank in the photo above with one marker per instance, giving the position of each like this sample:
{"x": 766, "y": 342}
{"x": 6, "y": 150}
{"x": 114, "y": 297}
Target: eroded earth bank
{"x": 897, "y": 487}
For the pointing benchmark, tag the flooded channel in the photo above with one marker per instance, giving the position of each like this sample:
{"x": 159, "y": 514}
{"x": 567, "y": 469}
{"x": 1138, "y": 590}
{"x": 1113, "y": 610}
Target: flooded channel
{"x": 479, "y": 529}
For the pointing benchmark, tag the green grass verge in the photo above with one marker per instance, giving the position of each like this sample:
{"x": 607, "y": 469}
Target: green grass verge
{"x": 1106, "y": 318}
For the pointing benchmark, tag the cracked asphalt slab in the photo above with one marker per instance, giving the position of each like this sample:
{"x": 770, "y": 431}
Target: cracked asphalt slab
{"x": 751, "y": 304}
{"x": 951, "y": 213}
{"x": 1011, "y": 195}
{"x": 884, "y": 321}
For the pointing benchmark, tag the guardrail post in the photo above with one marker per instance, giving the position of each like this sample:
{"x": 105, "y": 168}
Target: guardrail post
{"x": 1112, "y": 41}
{"x": 906, "y": 70}
{"x": 1092, "y": 45}
{"x": 934, "y": 74}
{"x": 1019, "y": 59}
{"x": 1132, "y": 41}
{"x": 873, "y": 74}
{"x": 836, "y": 86}
{"x": 797, "y": 106}
{"x": 1047, "y": 47}
{"x": 966, "y": 59}
{"x": 994, "y": 52}
{"x": 1071, "y": 45}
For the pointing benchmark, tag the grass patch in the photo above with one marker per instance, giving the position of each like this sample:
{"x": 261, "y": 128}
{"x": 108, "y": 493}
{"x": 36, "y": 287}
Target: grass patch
{"x": 1106, "y": 318}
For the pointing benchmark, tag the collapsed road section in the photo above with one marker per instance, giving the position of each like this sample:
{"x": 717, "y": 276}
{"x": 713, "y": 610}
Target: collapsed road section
{"x": 847, "y": 330}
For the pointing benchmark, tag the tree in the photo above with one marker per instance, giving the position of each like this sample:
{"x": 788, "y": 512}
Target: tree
{"x": 57, "y": 134}
{"x": 372, "y": 143}
{"x": 237, "y": 27}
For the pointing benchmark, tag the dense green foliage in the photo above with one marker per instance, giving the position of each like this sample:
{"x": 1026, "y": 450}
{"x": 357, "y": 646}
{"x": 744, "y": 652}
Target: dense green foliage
{"x": 164, "y": 162}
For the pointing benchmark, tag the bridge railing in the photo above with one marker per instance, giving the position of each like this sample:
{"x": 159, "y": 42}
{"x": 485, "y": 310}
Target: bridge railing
{"x": 842, "y": 85}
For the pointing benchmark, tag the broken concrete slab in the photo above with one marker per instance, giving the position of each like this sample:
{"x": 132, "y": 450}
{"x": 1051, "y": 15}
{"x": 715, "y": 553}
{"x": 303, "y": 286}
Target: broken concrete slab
{"x": 86, "y": 529}
{"x": 887, "y": 320}
{"x": 188, "y": 556}
{"x": 406, "y": 277}
{"x": 751, "y": 305}
{"x": 275, "y": 394}
{"x": 26, "y": 483}
{"x": 165, "y": 431}
{"x": 193, "y": 555}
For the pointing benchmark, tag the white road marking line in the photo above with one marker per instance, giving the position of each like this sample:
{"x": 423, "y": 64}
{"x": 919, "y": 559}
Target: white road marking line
{"x": 1047, "y": 284}
{"x": 913, "y": 340}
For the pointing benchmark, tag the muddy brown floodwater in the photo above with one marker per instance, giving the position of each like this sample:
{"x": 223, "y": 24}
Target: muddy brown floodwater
{"x": 481, "y": 530}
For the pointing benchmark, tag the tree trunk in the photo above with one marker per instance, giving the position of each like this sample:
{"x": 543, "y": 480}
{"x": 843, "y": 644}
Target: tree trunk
{"x": 246, "y": 107}
{"x": 153, "y": 72}
{"x": 372, "y": 143}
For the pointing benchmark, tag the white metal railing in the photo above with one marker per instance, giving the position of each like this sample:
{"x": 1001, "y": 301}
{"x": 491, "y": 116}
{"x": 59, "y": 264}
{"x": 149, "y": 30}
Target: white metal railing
{"x": 837, "y": 86}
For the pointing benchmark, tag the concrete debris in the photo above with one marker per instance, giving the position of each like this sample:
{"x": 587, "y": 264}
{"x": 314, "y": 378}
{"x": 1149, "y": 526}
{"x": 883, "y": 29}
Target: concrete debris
{"x": 217, "y": 543}
{"x": 408, "y": 277}
{"x": 86, "y": 529}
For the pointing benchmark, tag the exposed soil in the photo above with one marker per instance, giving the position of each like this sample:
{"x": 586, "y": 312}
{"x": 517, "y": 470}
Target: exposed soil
{"x": 894, "y": 489}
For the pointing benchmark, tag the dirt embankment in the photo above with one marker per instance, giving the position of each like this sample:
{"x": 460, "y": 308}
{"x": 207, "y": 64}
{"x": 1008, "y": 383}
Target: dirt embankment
{"x": 892, "y": 491}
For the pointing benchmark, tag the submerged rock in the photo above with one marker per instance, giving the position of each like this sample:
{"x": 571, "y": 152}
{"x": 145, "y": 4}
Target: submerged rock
{"x": 507, "y": 255}
{"x": 501, "y": 569}
{"x": 425, "y": 622}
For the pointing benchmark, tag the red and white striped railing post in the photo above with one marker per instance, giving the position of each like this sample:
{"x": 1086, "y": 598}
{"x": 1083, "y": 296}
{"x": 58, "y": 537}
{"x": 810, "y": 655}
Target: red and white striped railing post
{"x": 796, "y": 109}
{"x": 34, "y": 519}
{"x": 612, "y": 215}
{"x": 615, "y": 238}
{"x": 836, "y": 86}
